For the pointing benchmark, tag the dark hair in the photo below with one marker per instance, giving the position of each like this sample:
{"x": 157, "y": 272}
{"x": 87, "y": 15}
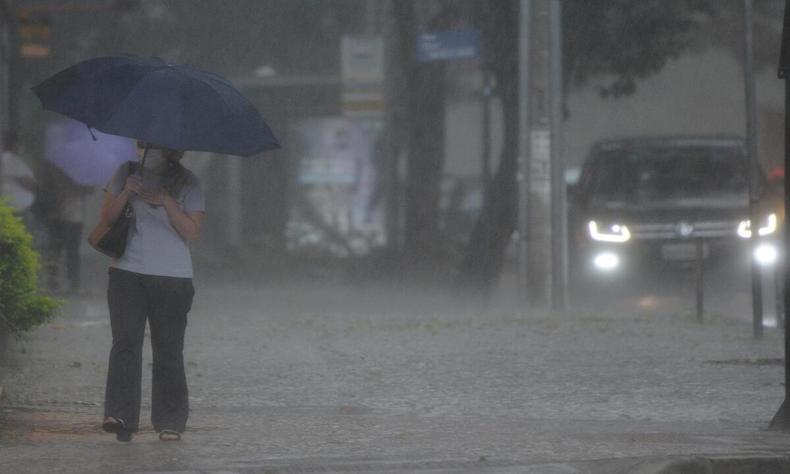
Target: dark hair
{"x": 176, "y": 175}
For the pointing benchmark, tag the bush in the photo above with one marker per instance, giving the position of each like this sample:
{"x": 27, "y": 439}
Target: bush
{"x": 22, "y": 307}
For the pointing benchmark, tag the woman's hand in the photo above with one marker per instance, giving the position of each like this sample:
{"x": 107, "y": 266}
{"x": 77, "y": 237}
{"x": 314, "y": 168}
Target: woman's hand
{"x": 154, "y": 198}
{"x": 134, "y": 185}
{"x": 187, "y": 224}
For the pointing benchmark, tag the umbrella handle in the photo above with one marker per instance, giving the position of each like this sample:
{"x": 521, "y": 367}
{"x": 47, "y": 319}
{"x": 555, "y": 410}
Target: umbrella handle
{"x": 139, "y": 171}
{"x": 93, "y": 136}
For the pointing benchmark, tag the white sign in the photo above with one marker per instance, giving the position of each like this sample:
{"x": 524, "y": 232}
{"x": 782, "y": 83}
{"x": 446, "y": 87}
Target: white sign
{"x": 338, "y": 177}
{"x": 362, "y": 68}
{"x": 362, "y": 59}
{"x": 363, "y": 101}
{"x": 540, "y": 162}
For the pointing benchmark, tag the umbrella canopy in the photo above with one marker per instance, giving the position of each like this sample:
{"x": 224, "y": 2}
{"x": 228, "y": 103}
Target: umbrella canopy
{"x": 175, "y": 106}
{"x": 70, "y": 146}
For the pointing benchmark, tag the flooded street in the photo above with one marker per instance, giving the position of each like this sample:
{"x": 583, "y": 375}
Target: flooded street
{"x": 309, "y": 376}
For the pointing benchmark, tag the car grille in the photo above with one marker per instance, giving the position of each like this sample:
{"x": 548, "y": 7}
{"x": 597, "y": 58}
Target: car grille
{"x": 684, "y": 230}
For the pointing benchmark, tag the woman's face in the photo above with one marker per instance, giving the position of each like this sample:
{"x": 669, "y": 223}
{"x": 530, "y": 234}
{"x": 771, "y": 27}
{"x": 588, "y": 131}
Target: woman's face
{"x": 157, "y": 157}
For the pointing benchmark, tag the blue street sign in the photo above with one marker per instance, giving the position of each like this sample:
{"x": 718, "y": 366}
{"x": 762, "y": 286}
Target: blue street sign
{"x": 448, "y": 45}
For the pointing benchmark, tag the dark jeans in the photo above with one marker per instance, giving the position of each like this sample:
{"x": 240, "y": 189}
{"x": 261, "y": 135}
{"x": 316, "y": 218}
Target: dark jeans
{"x": 165, "y": 302}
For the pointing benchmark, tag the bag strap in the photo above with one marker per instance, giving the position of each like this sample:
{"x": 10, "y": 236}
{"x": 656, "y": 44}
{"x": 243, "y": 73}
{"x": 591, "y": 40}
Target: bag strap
{"x": 128, "y": 210}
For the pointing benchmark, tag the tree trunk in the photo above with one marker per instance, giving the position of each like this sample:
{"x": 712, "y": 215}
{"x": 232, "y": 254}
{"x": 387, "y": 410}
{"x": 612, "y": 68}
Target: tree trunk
{"x": 424, "y": 122}
{"x": 425, "y": 162}
{"x": 485, "y": 253}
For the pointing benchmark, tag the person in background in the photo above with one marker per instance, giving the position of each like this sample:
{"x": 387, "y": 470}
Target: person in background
{"x": 64, "y": 220}
{"x": 18, "y": 184}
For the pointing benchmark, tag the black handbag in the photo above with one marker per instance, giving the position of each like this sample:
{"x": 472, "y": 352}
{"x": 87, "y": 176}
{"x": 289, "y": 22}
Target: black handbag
{"x": 110, "y": 238}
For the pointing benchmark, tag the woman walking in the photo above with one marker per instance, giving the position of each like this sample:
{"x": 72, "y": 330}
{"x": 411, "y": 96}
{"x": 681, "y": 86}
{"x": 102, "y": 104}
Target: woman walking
{"x": 152, "y": 281}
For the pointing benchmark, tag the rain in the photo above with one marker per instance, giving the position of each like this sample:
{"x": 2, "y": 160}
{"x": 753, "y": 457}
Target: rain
{"x": 403, "y": 236}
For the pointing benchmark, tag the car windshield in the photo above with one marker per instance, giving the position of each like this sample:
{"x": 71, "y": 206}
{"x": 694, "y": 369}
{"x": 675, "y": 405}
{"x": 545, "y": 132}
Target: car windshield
{"x": 666, "y": 172}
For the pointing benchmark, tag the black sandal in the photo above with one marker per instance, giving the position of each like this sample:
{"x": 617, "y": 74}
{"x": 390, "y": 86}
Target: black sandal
{"x": 118, "y": 426}
{"x": 169, "y": 435}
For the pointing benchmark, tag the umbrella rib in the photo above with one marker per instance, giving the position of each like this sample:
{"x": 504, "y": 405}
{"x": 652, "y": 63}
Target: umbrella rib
{"x": 131, "y": 91}
{"x": 211, "y": 85}
{"x": 126, "y": 96}
{"x": 128, "y": 93}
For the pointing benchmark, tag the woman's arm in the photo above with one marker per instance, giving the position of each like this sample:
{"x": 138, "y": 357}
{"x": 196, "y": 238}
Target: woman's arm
{"x": 113, "y": 205}
{"x": 187, "y": 224}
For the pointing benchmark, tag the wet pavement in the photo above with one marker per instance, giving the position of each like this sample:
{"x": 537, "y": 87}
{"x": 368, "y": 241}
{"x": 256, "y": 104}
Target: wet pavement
{"x": 315, "y": 377}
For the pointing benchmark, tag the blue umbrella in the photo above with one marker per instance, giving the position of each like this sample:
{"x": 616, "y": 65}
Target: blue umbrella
{"x": 175, "y": 106}
{"x": 68, "y": 145}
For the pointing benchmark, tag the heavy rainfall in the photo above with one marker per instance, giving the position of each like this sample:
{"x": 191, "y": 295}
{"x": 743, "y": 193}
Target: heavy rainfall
{"x": 457, "y": 236}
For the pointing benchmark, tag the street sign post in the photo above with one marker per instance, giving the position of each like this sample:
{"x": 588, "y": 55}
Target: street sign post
{"x": 753, "y": 168}
{"x": 524, "y": 174}
{"x": 559, "y": 217}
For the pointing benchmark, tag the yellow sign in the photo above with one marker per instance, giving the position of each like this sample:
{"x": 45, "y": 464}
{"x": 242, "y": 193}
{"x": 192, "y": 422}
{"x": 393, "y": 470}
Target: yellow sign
{"x": 35, "y": 35}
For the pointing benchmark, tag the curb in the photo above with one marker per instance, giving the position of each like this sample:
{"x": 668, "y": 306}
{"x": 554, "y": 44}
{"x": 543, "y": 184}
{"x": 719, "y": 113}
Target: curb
{"x": 716, "y": 465}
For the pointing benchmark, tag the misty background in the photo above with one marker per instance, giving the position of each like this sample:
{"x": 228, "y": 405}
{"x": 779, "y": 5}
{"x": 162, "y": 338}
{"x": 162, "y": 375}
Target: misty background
{"x": 381, "y": 174}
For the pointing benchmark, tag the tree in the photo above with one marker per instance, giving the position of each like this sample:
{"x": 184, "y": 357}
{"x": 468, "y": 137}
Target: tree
{"x": 22, "y": 306}
{"x": 484, "y": 255}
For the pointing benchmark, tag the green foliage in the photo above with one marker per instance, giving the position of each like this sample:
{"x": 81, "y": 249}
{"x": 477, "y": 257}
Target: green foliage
{"x": 618, "y": 42}
{"x": 21, "y": 304}
{"x": 622, "y": 41}
{"x": 725, "y": 26}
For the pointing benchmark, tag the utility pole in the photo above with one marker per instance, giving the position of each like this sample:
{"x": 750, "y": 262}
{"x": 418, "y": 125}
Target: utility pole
{"x": 753, "y": 167}
{"x": 540, "y": 271}
{"x": 524, "y": 29}
{"x": 542, "y": 206}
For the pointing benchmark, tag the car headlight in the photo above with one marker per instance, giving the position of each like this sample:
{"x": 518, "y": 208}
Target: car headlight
{"x": 766, "y": 254}
{"x": 606, "y": 261}
{"x": 769, "y": 227}
{"x": 615, "y": 233}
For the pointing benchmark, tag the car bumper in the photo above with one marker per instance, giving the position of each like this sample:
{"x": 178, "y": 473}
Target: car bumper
{"x": 635, "y": 257}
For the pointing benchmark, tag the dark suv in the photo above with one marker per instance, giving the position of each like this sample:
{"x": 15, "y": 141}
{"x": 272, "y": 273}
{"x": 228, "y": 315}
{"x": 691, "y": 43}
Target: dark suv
{"x": 651, "y": 202}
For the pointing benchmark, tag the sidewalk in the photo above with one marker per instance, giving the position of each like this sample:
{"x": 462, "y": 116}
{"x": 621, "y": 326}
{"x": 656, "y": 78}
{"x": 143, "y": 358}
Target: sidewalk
{"x": 335, "y": 379}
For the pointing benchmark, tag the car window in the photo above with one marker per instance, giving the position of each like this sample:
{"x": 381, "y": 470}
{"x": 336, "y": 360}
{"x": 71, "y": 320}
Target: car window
{"x": 665, "y": 172}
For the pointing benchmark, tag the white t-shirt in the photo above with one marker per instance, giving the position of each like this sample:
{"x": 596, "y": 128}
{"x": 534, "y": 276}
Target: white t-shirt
{"x": 154, "y": 247}
{"x": 12, "y": 169}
